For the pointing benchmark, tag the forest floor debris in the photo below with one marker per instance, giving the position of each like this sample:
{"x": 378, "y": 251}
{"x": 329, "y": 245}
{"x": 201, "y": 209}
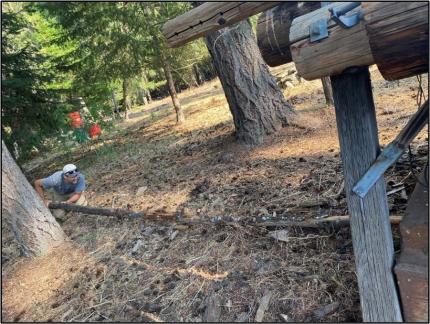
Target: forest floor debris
{"x": 141, "y": 270}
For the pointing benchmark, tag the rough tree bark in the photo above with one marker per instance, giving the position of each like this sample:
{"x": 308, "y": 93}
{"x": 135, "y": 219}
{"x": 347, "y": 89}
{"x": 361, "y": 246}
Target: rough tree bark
{"x": 328, "y": 91}
{"x": 35, "y": 229}
{"x": 197, "y": 75}
{"x": 147, "y": 93}
{"x": 126, "y": 96}
{"x": 256, "y": 102}
{"x": 180, "y": 117}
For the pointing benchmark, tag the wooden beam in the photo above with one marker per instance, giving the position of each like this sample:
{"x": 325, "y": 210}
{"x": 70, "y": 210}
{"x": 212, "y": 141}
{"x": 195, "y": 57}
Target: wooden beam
{"x": 209, "y": 17}
{"x": 273, "y": 30}
{"x": 370, "y": 227}
{"x": 398, "y": 37}
{"x": 343, "y": 48}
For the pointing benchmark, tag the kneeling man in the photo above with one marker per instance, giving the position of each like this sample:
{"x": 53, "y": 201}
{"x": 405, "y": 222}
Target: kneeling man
{"x": 64, "y": 186}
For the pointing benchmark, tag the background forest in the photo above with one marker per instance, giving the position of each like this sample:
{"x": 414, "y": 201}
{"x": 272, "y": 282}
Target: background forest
{"x": 60, "y": 57}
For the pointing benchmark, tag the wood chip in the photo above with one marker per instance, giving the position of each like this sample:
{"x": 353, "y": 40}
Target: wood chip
{"x": 280, "y": 235}
{"x": 264, "y": 305}
{"x": 326, "y": 310}
{"x": 213, "y": 309}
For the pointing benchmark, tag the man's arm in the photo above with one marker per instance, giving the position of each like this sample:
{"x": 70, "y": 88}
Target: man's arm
{"x": 74, "y": 198}
{"x": 39, "y": 189}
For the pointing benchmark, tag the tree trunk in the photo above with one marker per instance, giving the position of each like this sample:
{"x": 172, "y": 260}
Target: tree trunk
{"x": 126, "y": 96}
{"x": 256, "y": 102}
{"x": 180, "y": 118}
{"x": 328, "y": 91}
{"x": 33, "y": 225}
{"x": 115, "y": 106}
{"x": 197, "y": 74}
{"x": 146, "y": 93}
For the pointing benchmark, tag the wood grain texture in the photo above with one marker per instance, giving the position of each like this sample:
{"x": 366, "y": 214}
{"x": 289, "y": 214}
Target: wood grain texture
{"x": 210, "y": 17}
{"x": 398, "y": 37}
{"x": 343, "y": 48}
{"x": 412, "y": 266}
{"x": 370, "y": 227}
{"x": 300, "y": 26}
{"x": 273, "y": 29}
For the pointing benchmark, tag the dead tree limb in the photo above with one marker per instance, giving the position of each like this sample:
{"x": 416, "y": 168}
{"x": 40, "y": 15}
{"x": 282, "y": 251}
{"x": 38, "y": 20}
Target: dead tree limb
{"x": 95, "y": 210}
{"x": 266, "y": 221}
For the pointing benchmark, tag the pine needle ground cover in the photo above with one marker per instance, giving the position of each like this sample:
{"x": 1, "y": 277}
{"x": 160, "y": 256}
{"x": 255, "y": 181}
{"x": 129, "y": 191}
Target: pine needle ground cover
{"x": 145, "y": 270}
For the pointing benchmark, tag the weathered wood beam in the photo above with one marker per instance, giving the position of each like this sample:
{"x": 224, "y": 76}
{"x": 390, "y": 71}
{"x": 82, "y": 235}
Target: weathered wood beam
{"x": 209, "y": 17}
{"x": 273, "y": 30}
{"x": 398, "y": 36}
{"x": 343, "y": 48}
{"x": 371, "y": 232}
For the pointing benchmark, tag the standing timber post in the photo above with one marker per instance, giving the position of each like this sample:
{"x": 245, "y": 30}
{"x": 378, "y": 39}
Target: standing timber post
{"x": 370, "y": 225}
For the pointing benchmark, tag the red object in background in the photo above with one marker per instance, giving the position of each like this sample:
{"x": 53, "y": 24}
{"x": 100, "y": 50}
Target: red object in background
{"x": 76, "y": 119}
{"x": 95, "y": 130}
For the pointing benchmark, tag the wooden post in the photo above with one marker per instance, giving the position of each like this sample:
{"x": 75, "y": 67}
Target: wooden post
{"x": 370, "y": 225}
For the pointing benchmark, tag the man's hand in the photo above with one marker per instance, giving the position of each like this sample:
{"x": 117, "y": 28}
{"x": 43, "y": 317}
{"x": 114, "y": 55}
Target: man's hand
{"x": 74, "y": 198}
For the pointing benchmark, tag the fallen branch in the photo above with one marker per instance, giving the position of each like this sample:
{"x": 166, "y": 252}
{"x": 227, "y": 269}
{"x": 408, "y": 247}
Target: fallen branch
{"x": 266, "y": 221}
{"x": 94, "y": 210}
{"x": 269, "y": 221}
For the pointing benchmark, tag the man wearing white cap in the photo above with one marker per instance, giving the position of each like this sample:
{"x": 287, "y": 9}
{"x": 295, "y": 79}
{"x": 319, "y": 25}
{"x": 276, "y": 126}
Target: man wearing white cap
{"x": 66, "y": 186}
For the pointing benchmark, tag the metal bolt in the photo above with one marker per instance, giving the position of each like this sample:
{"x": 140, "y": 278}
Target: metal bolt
{"x": 222, "y": 21}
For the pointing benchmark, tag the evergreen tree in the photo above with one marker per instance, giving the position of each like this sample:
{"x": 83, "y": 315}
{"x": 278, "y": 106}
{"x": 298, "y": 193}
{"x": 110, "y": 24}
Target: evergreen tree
{"x": 29, "y": 109}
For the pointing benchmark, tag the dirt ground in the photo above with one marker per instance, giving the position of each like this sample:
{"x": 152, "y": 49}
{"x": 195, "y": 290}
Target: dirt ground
{"x": 143, "y": 270}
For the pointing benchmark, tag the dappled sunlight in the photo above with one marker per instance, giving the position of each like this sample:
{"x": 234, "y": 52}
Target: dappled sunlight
{"x": 38, "y": 281}
{"x": 204, "y": 274}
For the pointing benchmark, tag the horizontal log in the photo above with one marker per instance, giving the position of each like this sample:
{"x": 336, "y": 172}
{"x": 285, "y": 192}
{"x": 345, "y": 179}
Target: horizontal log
{"x": 209, "y": 17}
{"x": 94, "y": 210}
{"x": 398, "y": 37}
{"x": 268, "y": 221}
{"x": 344, "y": 48}
{"x": 273, "y": 29}
{"x": 110, "y": 212}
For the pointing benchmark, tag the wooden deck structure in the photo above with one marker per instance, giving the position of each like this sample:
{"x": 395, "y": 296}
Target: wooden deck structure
{"x": 340, "y": 41}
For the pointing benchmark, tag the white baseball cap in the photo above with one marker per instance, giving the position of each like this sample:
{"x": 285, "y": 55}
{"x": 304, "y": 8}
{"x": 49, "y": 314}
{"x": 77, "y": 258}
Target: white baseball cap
{"x": 69, "y": 167}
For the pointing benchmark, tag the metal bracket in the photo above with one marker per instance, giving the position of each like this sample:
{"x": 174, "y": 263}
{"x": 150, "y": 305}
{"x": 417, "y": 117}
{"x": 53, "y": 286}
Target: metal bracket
{"x": 318, "y": 30}
{"x": 389, "y": 155}
{"x": 392, "y": 151}
{"x": 338, "y": 15}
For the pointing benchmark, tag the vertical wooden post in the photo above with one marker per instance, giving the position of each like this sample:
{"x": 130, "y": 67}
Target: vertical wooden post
{"x": 370, "y": 225}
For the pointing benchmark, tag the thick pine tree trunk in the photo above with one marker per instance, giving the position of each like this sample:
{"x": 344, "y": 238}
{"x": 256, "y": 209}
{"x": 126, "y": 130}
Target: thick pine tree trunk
{"x": 256, "y": 102}
{"x": 126, "y": 96}
{"x": 32, "y": 223}
{"x": 180, "y": 117}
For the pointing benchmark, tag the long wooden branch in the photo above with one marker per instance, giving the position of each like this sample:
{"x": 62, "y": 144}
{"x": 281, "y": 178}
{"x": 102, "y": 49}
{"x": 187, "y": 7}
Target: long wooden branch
{"x": 266, "y": 221}
{"x": 95, "y": 210}
{"x": 209, "y": 17}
